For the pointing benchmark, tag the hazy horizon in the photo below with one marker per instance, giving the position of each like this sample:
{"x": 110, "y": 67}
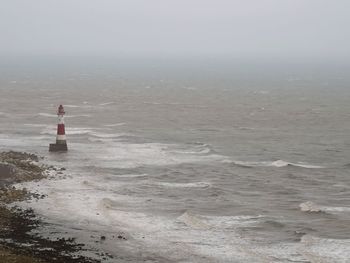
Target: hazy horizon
{"x": 268, "y": 29}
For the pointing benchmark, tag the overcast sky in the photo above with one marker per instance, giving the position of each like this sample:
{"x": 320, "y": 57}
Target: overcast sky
{"x": 272, "y": 28}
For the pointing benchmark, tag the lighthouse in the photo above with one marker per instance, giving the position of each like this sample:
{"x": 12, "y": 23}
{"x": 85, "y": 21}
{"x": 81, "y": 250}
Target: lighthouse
{"x": 61, "y": 143}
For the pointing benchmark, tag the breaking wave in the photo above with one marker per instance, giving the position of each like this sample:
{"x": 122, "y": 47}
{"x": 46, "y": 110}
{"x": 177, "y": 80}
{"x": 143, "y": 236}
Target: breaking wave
{"x": 193, "y": 221}
{"x": 312, "y": 207}
{"x": 49, "y": 115}
{"x": 107, "y": 135}
{"x": 324, "y": 250}
{"x": 278, "y": 164}
{"x": 106, "y": 103}
{"x": 115, "y": 124}
{"x": 51, "y": 130}
{"x": 184, "y": 185}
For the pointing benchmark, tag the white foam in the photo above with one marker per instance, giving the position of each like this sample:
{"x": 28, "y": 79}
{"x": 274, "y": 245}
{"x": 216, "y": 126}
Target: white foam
{"x": 322, "y": 250}
{"x": 71, "y": 106}
{"x": 51, "y": 130}
{"x": 189, "y": 88}
{"x": 184, "y": 185}
{"x": 107, "y": 135}
{"x": 49, "y": 115}
{"x": 224, "y": 222}
{"x": 129, "y": 175}
{"x": 175, "y": 238}
{"x": 115, "y": 124}
{"x": 192, "y": 221}
{"x": 93, "y": 204}
{"x": 312, "y": 207}
{"x": 37, "y": 125}
{"x": 107, "y": 103}
{"x": 129, "y": 155}
{"x": 278, "y": 164}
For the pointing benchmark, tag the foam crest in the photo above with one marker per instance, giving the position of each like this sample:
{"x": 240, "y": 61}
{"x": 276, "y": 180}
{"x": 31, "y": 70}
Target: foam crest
{"x": 128, "y": 175}
{"x": 71, "y": 106}
{"x": 49, "y": 115}
{"x": 323, "y": 250}
{"x": 107, "y": 103}
{"x": 198, "y": 238}
{"x": 85, "y": 106}
{"x": 278, "y": 164}
{"x": 42, "y": 114}
{"x": 115, "y": 124}
{"x": 37, "y": 125}
{"x": 192, "y": 221}
{"x": 184, "y": 185}
{"x": 312, "y": 207}
{"x": 131, "y": 155}
{"x": 225, "y": 222}
{"x": 106, "y": 135}
{"x": 51, "y": 130}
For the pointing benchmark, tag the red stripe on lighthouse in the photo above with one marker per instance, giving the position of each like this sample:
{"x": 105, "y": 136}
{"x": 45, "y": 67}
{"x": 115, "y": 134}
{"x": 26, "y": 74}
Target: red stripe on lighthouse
{"x": 61, "y": 129}
{"x": 61, "y": 144}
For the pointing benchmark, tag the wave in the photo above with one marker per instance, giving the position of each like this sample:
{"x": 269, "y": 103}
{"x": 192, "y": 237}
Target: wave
{"x": 107, "y": 103}
{"x": 49, "y": 115}
{"x": 107, "y": 135}
{"x": 243, "y": 128}
{"x": 278, "y": 164}
{"x": 324, "y": 250}
{"x": 193, "y": 151}
{"x": 184, "y": 185}
{"x": 116, "y": 176}
{"x": 217, "y": 222}
{"x": 224, "y": 222}
{"x": 36, "y": 125}
{"x": 129, "y": 175}
{"x": 312, "y": 207}
{"x": 196, "y": 148}
{"x": 192, "y": 221}
{"x": 71, "y": 106}
{"x": 115, "y": 124}
{"x": 51, "y": 130}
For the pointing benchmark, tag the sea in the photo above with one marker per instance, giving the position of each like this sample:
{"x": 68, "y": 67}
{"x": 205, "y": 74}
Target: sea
{"x": 187, "y": 160}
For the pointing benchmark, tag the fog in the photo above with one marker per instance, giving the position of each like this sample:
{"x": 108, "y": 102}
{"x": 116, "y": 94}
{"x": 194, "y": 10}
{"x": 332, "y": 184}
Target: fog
{"x": 228, "y": 28}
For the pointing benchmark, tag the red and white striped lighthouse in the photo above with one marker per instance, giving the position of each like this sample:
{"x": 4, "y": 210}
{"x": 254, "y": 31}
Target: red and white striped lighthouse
{"x": 61, "y": 143}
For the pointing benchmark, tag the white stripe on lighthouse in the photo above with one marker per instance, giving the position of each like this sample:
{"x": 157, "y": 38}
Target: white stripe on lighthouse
{"x": 61, "y": 137}
{"x": 60, "y": 119}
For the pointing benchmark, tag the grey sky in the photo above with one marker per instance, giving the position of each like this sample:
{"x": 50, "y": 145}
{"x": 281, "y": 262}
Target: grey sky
{"x": 174, "y": 27}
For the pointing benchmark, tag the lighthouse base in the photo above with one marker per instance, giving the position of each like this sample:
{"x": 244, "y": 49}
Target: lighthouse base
{"x": 54, "y": 147}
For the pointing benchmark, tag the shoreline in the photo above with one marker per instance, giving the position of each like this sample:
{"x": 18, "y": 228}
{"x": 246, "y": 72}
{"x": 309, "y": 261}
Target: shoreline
{"x": 17, "y": 244}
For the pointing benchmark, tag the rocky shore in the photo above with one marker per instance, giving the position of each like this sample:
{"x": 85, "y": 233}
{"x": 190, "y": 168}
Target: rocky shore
{"x": 17, "y": 241}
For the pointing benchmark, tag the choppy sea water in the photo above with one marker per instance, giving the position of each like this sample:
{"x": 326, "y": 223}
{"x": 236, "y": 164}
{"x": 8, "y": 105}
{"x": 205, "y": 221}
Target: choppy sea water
{"x": 204, "y": 168}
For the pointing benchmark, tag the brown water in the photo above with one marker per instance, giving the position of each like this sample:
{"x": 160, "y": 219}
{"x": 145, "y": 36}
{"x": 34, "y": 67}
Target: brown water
{"x": 192, "y": 162}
